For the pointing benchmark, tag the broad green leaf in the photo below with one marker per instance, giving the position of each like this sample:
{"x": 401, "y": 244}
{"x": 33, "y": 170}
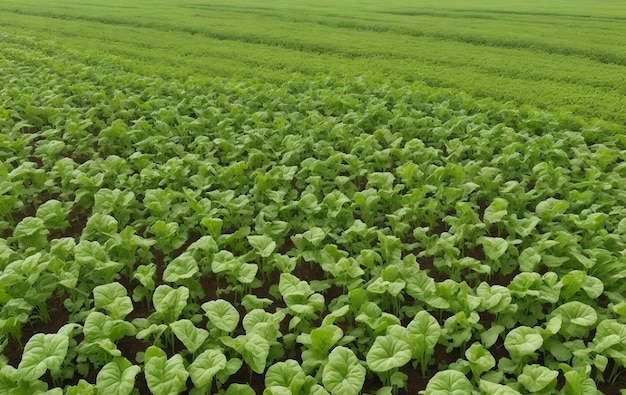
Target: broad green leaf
{"x": 188, "y": 334}
{"x": 494, "y": 247}
{"x": 489, "y": 388}
{"x": 292, "y": 285}
{"x": 317, "y": 389}
{"x": 288, "y": 374}
{"x": 321, "y": 339}
{"x": 578, "y": 318}
{"x": 263, "y": 245}
{"x": 205, "y": 366}
{"x": 277, "y": 390}
{"x": 42, "y": 352}
{"x": 578, "y": 382}
{"x": 224, "y": 261}
{"x": 112, "y": 297}
{"x": 181, "y": 268}
{"x": 426, "y": 330}
{"x": 525, "y": 226}
{"x": 448, "y": 382}
{"x": 221, "y": 314}
{"x": 239, "y": 389}
{"x": 593, "y": 287}
{"x": 496, "y": 210}
{"x": 491, "y": 335}
{"x": 246, "y": 273}
{"x": 387, "y": 353}
{"x": 522, "y": 341}
{"x": 314, "y": 235}
{"x": 550, "y": 208}
{"x": 257, "y": 349}
{"x": 100, "y": 225}
{"x": 169, "y": 302}
{"x": 117, "y": 377}
{"x": 343, "y": 374}
{"x": 164, "y": 376}
{"x": 494, "y": 299}
{"x": 205, "y": 243}
{"x": 145, "y": 274}
{"x": 480, "y": 359}
{"x": 82, "y": 388}
{"x": 251, "y": 302}
{"x": 609, "y": 333}
{"x": 529, "y": 259}
{"x": 253, "y": 347}
{"x": 537, "y": 378}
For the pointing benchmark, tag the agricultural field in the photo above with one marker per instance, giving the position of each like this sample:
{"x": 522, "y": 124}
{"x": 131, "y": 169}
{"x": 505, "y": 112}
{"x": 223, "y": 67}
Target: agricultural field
{"x": 561, "y": 55}
{"x": 310, "y": 198}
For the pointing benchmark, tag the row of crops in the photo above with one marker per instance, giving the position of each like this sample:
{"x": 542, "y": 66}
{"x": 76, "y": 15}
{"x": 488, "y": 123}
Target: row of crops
{"x": 325, "y": 236}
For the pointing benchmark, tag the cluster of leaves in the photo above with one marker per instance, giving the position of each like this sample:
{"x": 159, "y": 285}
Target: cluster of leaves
{"x": 330, "y": 235}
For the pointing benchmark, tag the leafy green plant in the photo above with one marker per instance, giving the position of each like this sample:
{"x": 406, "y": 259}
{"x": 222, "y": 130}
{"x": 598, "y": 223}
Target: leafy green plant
{"x": 343, "y": 374}
{"x": 387, "y": 355}
{"x": 163, "y": 375}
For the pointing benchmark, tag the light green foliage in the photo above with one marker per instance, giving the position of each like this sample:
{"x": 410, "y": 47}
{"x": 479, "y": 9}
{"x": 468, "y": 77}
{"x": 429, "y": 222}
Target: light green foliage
{"x": 538, "y": 379}
{"x": 117, "y": 377}
{"x": 343, "y": 374}
{"x": 206, "y": 366}
{"x": 321, "y": 231}
{"x": 449, "y": 382}
{"x": 164, "y": 376}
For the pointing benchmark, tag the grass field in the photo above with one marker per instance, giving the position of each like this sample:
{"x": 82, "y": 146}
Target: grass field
{"x": 560, "y": 56}
{"x": 312, "y": 198}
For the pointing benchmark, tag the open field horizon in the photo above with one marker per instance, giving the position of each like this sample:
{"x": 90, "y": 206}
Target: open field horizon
{"x": 563, "y": 56}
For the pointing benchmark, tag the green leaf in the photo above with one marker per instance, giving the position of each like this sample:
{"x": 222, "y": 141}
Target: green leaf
{"x": 388, "y": 353}
{"x": 164, "y": 376}
{"x": 522, "y": 341}
{"x": 529, "y": 259}
{"x": 525, "y": 226}
{"x": 253, "y": 347}
{"x": 609, "y": 333}
{"x": 480, "y": 359}
{"x": 112, "y": 297}
{"x": 537, "y": 378}
{"x": 205, "y": 366}
{"x": 188, "y": 334}
{"x": 287, "y": 374}
{"x": 169, "y": 302}
{"x": 117, "y": 377}
{"x": 314, "y": 235}
{"x": 578, "y": 318}
{"x": 321, "y": 339}
{"x": 550, "y": 208}
{"x": 42, "y": 352}
{"x": 221, "y": 314}
{"x": 239, "y": 389}
{"x": 343, "y": 374}
{"x": 494, "y": 247}
{"x": 181, "y": 268}
{"x": 426, "y": 331}
{"x": 496, "y": 210}
{"x": 489, "y": 388}
{"x": 82, "y": 388}
{"x": 449, "y": 382}
{"x": 263, "y": 245}
{"x": 490, "y": 336}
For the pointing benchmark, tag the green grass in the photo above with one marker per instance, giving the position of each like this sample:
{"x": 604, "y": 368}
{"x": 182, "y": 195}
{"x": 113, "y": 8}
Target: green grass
{"x": 565, "y": 56}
